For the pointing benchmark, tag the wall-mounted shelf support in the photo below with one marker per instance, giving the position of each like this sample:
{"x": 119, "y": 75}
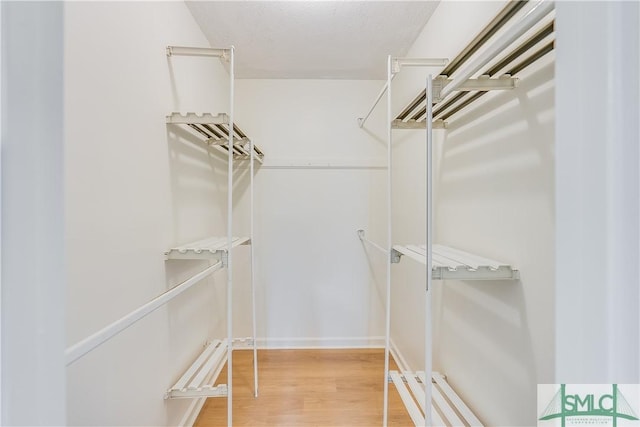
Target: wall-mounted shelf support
{"x": 398, "y": 62}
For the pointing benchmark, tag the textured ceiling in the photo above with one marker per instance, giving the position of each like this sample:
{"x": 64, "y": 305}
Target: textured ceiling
{"x": 312, "y": 39}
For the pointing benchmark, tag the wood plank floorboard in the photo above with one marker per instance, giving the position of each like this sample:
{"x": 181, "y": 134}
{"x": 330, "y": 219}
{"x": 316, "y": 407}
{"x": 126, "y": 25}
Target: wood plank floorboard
{"x": 307, "y": 388}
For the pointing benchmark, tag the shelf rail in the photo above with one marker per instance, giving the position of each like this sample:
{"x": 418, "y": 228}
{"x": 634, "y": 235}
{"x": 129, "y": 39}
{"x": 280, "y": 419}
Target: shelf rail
{"x": 83, "y": 347}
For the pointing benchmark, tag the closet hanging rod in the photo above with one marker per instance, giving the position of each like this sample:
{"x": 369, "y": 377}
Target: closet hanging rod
{"x": 83, "y": 347}
{"x": 546, "y": 31}
{"x": 540, "y": 10}
{"x": 365, "y": 240}
{"x": 397, "y": 64}
{"x": 198, "y": 51}
{"x": 361, "y": 120}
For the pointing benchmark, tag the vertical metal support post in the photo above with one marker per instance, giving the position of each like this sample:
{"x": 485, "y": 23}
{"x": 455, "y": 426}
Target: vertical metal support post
{"x": 230, "y": 246}
{"x": 385, "y": 411}
{"x": 1, "y": 151}
{"x": 253, "y": 283}
{"x": 428, "y": 339}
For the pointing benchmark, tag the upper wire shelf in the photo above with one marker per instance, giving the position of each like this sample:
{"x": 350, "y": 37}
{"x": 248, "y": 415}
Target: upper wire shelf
{"x": 506, "y": 66}
{"x": 214, "y": 129}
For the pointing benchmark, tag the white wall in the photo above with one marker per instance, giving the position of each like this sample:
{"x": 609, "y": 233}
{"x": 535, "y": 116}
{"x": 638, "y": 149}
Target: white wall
{"x": 311, "y": 269}
{"x": 33, "y": 383}
{"x": 494, "y": 180}
{"x": 598, "y": 328}
{"x": 135, "y": 187}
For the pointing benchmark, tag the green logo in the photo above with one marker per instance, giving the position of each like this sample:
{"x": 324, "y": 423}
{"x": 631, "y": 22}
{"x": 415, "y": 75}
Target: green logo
{"x": 565, "y": 405}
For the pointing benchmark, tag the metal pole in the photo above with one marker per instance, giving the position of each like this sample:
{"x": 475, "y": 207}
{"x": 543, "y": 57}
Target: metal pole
{"x": 230, "y": 247}
{"x": 428, "y": 339}
{"x": 83, "y": 347}
{"x": 361, "y": 120}
{"x": 253, "y": 283}
{"x": 365, "y": 240}
{"x": 385, "y": 411}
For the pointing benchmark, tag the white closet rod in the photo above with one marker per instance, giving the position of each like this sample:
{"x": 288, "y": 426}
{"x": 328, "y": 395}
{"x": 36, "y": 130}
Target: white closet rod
{"x": 396, "y": 65}
{"x": 374, "y": 244}
{"x": 534, "y": 16}
{"x": 197, "y": 51}
{"x": 361, "y": 120}
{"x": 83, "y": 347}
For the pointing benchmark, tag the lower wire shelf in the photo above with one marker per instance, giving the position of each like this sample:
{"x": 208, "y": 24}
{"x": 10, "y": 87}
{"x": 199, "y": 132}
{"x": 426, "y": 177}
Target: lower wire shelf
{"x": 196, "y": 381}
{"x": 447, "y": 409}
{"x": 452, "y": 263}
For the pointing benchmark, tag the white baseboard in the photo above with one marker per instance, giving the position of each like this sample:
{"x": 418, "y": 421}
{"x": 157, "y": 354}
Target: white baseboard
{"x": 320, "y": 343}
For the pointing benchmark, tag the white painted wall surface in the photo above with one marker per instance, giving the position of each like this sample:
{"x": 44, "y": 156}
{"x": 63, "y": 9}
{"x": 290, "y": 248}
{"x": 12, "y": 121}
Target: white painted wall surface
{"x": 311, "y": 269}
{"x": 134, "y": 188}
{"x": 494, "y": 195}
{"x": 598, "y": 325}
{"x": 33, "y": 381}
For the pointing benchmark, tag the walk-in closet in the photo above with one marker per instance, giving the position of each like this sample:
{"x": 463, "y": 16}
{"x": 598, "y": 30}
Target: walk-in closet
{"x": 318, "y": 213}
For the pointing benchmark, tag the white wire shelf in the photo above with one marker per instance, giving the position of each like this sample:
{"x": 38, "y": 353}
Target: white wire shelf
{"x": 196, "y": 381}
{"x": 212, "y": 248}
{"x": 451, "y": 263}
{"x": 447, "y": 409}
{"x": 214, "y": 129}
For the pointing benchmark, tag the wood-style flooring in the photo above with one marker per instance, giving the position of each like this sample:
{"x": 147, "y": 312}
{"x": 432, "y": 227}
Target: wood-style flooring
{"x": 307, "y": 388}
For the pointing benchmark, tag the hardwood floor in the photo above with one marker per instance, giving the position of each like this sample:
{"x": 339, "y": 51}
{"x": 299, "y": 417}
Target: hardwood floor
{"x": 307, "y": 388}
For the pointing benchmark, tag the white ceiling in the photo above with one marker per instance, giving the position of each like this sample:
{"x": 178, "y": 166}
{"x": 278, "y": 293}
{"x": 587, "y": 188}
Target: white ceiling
{"x": 312, "y": 39}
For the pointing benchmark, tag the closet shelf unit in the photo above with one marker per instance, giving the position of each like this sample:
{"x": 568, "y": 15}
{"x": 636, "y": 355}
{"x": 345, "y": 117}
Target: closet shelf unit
{"x": 221, "y": 132}
{"x": 492, "y": 68}
{"x": 214, "y": 128}
{"x": 451, "y": 263}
